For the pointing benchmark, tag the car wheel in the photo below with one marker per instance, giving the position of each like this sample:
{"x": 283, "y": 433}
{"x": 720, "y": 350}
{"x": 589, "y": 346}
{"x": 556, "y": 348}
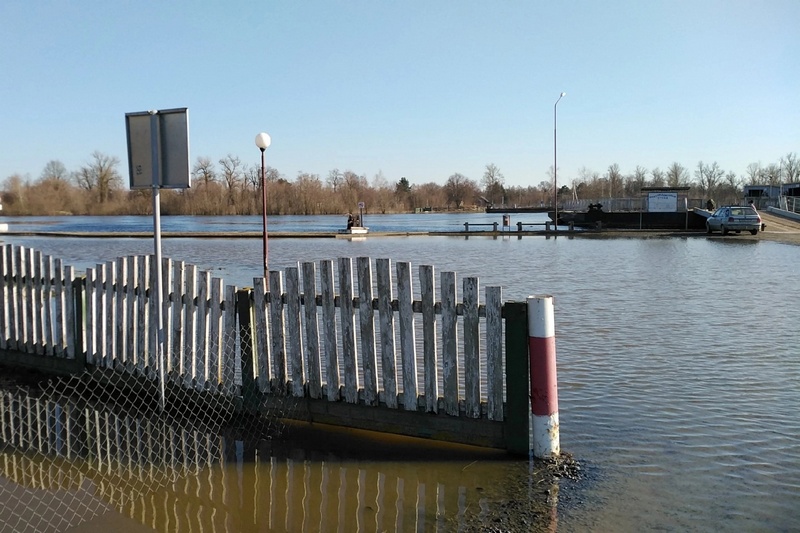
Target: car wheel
{"x": 754, "y": 232}
{"x": 708, "y": 228}
{"x": 723, "y": 230}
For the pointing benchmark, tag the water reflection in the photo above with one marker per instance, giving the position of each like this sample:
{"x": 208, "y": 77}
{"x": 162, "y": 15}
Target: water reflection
{"x": 67, "y": 460}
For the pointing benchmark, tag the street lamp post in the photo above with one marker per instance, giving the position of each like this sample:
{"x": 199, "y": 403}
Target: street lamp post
{"x": 263, "y": 141}
{"x": 555, "y": 160}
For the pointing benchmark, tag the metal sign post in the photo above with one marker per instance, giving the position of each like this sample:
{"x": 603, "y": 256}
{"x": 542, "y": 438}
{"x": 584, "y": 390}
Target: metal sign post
{"x": 158, "y": 157}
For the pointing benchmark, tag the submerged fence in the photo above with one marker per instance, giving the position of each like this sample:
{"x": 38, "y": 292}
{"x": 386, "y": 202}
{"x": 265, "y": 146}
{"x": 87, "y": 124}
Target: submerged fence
{"x": 65, "y": 462}
{"x": 366, "y": 337}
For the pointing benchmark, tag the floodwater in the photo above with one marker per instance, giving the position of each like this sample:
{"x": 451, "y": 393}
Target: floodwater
{"x": 678, "y": 366}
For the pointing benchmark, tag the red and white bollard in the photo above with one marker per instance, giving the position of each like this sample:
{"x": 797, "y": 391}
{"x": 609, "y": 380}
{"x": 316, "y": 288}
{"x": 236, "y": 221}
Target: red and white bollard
{"x": 544, "y": 382}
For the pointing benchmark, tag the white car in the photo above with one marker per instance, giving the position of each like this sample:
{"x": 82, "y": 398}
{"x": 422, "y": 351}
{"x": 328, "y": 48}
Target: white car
{"x": 736, "y": 218}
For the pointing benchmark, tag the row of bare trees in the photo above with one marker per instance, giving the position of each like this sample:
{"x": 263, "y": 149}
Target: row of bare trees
{"x": 231, "y": 187}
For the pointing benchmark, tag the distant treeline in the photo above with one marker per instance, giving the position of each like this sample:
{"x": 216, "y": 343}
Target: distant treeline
{"x": 230, "y": 187}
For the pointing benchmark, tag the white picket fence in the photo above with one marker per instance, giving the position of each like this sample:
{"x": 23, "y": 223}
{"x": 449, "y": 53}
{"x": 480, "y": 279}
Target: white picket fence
{"x": 358, "y": 336}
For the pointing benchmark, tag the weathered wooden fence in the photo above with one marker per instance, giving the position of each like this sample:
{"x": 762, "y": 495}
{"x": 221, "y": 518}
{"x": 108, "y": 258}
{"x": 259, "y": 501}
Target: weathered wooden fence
{"x": 340, "y": 342}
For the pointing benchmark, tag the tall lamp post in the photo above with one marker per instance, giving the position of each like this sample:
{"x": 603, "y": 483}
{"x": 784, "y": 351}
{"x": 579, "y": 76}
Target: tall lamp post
{"x": 555, "y": 160}
{"x": 263, "y": 141}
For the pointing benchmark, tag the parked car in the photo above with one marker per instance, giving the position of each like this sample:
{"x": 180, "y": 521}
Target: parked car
{"x": 736, "y": 218}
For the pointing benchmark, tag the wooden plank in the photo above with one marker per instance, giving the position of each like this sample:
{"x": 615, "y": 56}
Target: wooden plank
{"x": 17, "y": 306}
{"x": 91, "y": 313}
{"x": 313, "y": 359}
{"x": 518, "y": 392}
{"x": 37, "y": 318}
{"x": 449, "y": 343}
{"x": 262, "y": 356}
{"x": 142, "y": 313}
{"x": 244, "y": 315}
{"x": 100, "y": 321}
{"x": 111, "y": 313}
{"x": 278, "y": 348}
{"x": 190, "y": 326}
{"x": 229, "y": 334}
{"x": 49, "y": 303}
{"x": 203, "y": 290}
{"x": 294, "y": 332}
{"x": 408, "y": 343}
{"x": 30, "y": 328}
{"x": 5, "y": 301}
{"x": 74, "y": 306}
{"x": 348, "y": 319}
{"x": 366, "y": 316}
{"x": 178, "y": 317}
{"x": 168, "y": 292}
{"x": 60, "y": 309}
{"x": 494, "y": 353}
{"x": 215, "y": 333}
{"x": 430, "y": 361}
{"x": 131, "y": 310}
{"x": 383, "y": 276}
{"x": 152, "y": 319}
{"x": 121, "y": 324}
{"x": 330, "y": 345}
{"x": 472, "y": 370}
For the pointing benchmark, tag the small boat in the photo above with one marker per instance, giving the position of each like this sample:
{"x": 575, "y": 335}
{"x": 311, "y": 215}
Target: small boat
{"x": 355, "y": 230}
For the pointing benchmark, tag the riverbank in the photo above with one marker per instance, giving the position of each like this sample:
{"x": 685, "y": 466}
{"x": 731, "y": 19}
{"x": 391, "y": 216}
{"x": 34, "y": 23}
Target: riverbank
{"x": 778, "y": 229}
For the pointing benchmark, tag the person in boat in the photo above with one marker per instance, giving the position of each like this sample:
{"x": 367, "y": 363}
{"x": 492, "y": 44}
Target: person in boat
{"x": 350, "y": 220}
{"x": 357, "y": 222}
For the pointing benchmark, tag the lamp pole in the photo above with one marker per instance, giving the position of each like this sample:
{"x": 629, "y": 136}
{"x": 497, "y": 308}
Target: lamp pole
{"x": 263, "y": 141}
{"x": 555, "y": 160}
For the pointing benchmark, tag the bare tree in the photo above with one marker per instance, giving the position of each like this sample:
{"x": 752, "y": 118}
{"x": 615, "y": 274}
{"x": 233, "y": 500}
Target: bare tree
{"x": 636, "y": 181}
{"x": 203, "y": 171}
{"x": 271, "y": 174}
{"x": 54, "y": 170}
{"x": 772, "y": 175}
{"x": 755, "y": 174}
{"x": 657, "y": 177}
{"x": 614, "y": 177}
{"x": 252, "y": 177}
{"x": 457, "y": 189}
{"x": 677, "y": 175}
{"x": 790, "y": 168}
{"x": 232, "y": 176}
{"x": 308, "y": 193}
{"x": 708, "y": 177}
{"x": 100, "y": 175}
{"x": 493, "y": 183}
{"x": 334, "y": 179}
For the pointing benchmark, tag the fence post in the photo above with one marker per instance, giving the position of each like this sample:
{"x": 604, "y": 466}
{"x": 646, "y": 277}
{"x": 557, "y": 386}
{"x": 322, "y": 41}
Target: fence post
{"x": 544, "y": 383}
{"x": 466, "y": 226}
{"x": 517, "y": 373}
{"x": 74, "y": 340}
{"x": 249, "y": 389}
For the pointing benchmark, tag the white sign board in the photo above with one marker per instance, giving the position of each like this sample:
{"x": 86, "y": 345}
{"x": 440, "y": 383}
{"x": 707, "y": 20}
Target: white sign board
{"x": 662, "y": 202}
{"x": 172, "y": 148}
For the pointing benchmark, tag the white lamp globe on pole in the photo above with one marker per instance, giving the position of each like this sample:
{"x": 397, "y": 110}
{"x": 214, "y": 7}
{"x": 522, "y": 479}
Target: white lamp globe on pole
{"x": 263, "y": 141}
{"x": 555, "y": 160}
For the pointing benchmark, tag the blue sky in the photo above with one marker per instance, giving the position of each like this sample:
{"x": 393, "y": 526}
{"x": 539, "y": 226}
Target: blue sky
{"x": 420, "y": 89}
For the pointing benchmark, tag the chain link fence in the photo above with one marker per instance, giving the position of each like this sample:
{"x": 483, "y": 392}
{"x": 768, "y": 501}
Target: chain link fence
{"x": 73, "y": 448}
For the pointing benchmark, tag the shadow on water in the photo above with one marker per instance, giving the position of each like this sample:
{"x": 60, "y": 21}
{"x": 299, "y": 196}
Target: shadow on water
{"x": 74, "y": 454}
